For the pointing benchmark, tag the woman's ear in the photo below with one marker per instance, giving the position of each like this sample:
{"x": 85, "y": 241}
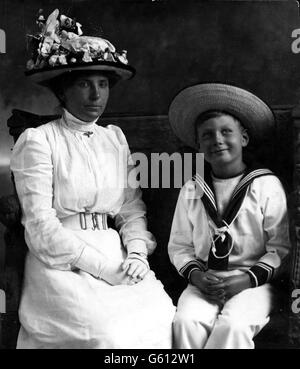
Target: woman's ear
{"x": 197, "y": 137}
{"x": 61, "y": 96}
{"x": 245, "y": 138}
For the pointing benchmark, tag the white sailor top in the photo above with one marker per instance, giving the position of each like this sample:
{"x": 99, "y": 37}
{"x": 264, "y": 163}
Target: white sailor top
{"x": 251, "y": 236}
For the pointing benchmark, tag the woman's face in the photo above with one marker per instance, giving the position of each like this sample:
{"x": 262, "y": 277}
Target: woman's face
{"x": 86, "y": 97}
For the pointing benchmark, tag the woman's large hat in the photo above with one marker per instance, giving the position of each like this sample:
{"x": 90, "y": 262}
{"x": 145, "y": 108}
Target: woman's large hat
{"x": 60, "y": 47}
{"x": 253, "y": 113}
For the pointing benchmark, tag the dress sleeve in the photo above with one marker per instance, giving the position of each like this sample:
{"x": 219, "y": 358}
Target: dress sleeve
{"x": 181, "y": 246}
{"x": 276, "y": 229}
{"x": 131, "y": 219}
{"x": 45, "y": 236}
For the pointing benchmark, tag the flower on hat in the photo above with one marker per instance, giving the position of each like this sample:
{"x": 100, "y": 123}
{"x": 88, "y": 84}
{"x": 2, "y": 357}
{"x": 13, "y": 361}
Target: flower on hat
{"x": 61, "y": 42}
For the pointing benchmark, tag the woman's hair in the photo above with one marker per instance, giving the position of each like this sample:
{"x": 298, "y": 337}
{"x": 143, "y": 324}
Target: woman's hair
{"x": 58, "y": 84}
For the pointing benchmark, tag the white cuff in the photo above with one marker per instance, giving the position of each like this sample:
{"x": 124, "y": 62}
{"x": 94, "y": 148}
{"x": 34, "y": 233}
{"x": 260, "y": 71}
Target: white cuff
{"x": 90, "y": 261}
{"x": 138, "y": 246}
{"x": 140, "y": 258}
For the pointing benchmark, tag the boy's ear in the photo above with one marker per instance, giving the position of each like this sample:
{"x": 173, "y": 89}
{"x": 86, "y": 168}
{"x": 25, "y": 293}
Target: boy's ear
{"x": 199, "y": 147}
{"x": 245, "y": 138}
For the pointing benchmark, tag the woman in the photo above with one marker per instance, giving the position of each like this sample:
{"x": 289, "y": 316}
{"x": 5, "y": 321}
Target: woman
{"x": 84, "y": 286}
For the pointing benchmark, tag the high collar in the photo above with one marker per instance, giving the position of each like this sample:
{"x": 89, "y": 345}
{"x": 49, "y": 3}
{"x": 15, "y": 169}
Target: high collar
{"x": 75, "y": 124}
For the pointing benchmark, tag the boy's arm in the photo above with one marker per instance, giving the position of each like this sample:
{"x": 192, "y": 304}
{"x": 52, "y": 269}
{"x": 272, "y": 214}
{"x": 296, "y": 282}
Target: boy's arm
{"x": 276, "y": 229}
{"x": 181, "y": 247}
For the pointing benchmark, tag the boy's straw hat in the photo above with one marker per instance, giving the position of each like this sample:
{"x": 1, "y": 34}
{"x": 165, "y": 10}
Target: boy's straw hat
{"x": 61, "y": 47}
{"x": 254, "y": 114}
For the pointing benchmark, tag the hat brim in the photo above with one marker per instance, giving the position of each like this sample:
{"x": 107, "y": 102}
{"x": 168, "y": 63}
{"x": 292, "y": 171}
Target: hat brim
{"x": 42, "y": 76}
{"x": 253, "y": 113}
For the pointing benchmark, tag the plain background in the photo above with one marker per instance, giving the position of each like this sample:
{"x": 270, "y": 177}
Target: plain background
{"x": 172, "y": 44}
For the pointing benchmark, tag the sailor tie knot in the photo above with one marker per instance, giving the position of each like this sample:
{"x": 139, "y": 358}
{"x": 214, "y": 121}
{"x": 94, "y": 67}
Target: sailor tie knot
{"x": 221, "y": 247}
{"x": 220, "y": 233}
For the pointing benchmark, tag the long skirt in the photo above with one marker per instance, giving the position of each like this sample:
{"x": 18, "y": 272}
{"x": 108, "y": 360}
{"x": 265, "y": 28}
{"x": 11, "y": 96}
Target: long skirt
{"x": 73, "y": 309}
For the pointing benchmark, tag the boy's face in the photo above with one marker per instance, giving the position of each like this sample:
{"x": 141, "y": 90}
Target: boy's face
{"x": 222, "y": 139}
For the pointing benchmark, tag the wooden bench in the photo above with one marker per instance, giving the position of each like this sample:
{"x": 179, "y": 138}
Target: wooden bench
{"x": 152, "y": 134}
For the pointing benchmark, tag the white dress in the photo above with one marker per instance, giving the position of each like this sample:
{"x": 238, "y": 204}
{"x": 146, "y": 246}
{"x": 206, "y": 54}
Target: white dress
{"x": 60, "y": 171}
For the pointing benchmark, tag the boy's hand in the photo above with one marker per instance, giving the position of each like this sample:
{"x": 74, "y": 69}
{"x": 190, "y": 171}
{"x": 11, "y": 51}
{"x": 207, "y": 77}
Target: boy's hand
{"x": 208, "y": 284}
{"x": 234, "y": 285}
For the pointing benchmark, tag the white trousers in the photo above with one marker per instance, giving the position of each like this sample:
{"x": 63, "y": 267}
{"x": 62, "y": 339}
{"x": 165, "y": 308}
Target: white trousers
{"x": 200, "y": 324}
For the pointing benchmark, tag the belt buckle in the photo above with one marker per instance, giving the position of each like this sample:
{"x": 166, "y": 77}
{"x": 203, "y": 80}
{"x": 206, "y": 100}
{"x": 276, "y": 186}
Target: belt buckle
{"x": 95, "y": 221}
{"x": 82, "y": 220}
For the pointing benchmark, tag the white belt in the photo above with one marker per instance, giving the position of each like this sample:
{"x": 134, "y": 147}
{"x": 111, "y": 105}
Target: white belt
{"x": 86, "y": 221}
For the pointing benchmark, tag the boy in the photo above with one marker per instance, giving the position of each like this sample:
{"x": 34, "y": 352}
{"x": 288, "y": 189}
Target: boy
{"x": 230, "y": 242}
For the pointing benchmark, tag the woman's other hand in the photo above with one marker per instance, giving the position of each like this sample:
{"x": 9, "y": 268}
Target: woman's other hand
{"x": 114, "y": 274}
{"x": 119, "y": 277}
{"x": 136, "y": 267}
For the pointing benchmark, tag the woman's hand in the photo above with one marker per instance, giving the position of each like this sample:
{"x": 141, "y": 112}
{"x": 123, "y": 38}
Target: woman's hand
{"x": 136, "y": 267}
{"x": 118, "y": 277}
{"x": 208, "y": 284}
{"x": 114, "y": 274}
